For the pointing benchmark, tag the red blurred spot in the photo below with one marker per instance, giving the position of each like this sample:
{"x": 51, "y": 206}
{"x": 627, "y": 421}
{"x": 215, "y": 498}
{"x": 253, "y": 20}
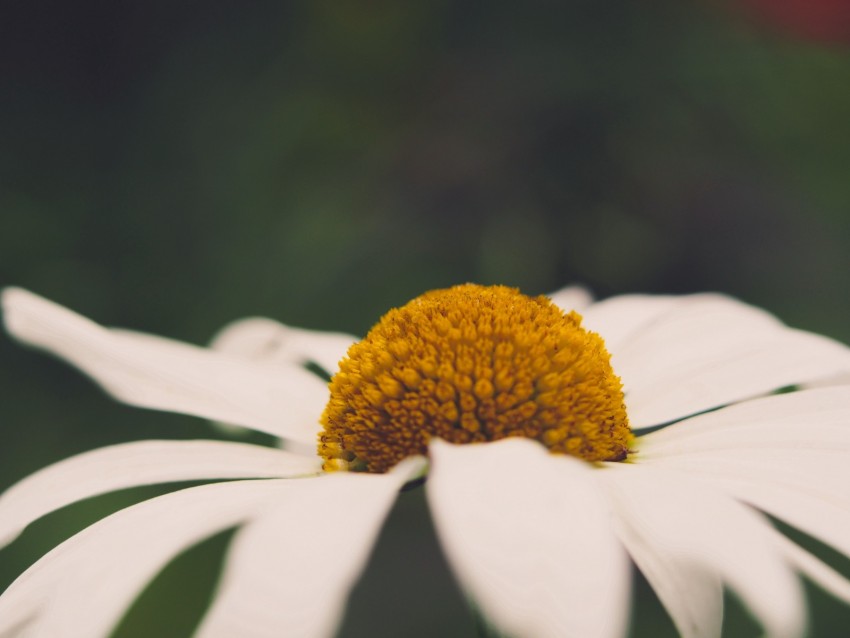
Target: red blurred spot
{"x": 825, "y": 21}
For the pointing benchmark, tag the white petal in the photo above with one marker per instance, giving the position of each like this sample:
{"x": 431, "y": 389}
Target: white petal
{"x": 838, "y": 379}
{"x": 529, "y": 537}
{"x": 261, "y": 339}
{"x": 704, "y": 351}
{"x": 619, "y": 319}
{"x": 815, "y": 569}
{"x": 141, "y": 463}
{"x": 708, "y": 532}
{"x": 817, "y": 419}
{"x": 806, "y": 489}
{"x": 290, "y": 570}
{"x": 790, "y": 461}
{"x": 158, "y": 373}
{"x": 82, "y": 587}
{"x": 786, "y": 454}
{"x": 694, "y": 599}
{"x": 572, "y": 298}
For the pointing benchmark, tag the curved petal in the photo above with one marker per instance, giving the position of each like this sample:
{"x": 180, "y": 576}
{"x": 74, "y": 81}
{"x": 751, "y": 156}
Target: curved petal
{"x": 820, "y": 509}
{"x": 815, "y": 505}
{"x": 530, "y": 539}
{"x": 785, "y": 454}
{"x": 838, "y": 379}
{"x": 703, "y": 351}
{"x": 619, "y": 319}
{"x": 260, "y": 339}
{"x": 82, "y": 587}
{"x": 808, "y": 420}
{"x": 571, "y": 298}
{"x": 694, "y": 599}
{"x": 291, "y": 569}
{"x": 703, "y": 530}
{"x": 141, "y": 463}
{"x": 815, "y": 569}
{"x": 154, "y": 372}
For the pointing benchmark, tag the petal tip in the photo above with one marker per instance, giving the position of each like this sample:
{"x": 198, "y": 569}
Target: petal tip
{"x": 7, "y": 538}
{"x": 411, "y": 468}
{"x": 15, "y": 302}
{"x": 251, "y": 336}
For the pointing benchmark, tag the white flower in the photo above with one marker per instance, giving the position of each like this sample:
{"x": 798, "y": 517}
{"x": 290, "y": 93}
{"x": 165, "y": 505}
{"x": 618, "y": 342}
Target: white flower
{"x": 541, "y": 542}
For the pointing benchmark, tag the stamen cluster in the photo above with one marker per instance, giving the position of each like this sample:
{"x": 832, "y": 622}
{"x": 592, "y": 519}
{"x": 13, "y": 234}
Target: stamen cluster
{"x": 471, "y": 364}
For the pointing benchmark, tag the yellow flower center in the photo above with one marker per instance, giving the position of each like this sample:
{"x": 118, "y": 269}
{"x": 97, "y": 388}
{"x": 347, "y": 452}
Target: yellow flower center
{"x": 469, "y": 364}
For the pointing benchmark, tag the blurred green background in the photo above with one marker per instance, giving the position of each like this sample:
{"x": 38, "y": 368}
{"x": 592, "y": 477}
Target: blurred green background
{"x": 171, "y": 166}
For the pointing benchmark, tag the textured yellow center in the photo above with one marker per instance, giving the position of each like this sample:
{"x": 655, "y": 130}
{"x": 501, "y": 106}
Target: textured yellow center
{"x": 473, "y": 363}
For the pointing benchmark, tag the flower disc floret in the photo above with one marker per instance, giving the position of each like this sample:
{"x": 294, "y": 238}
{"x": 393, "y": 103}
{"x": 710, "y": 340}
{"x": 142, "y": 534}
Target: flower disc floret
{"x": 471, "y": 364}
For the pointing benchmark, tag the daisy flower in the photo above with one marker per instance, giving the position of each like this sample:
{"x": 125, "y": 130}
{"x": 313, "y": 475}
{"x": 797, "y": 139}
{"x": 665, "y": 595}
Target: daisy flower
{"x": 560, "y": 449}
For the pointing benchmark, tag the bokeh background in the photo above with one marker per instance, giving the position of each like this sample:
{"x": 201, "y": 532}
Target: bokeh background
{"x": 171, "y": 166}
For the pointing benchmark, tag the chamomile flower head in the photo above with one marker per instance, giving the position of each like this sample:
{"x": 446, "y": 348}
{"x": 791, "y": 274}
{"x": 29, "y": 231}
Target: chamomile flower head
{"x": 532, "y": 413}
{"x": 473, "y": 364}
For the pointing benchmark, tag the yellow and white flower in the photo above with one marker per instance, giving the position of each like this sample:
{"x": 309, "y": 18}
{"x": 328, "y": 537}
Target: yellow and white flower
{"x": 543, "y": 486}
